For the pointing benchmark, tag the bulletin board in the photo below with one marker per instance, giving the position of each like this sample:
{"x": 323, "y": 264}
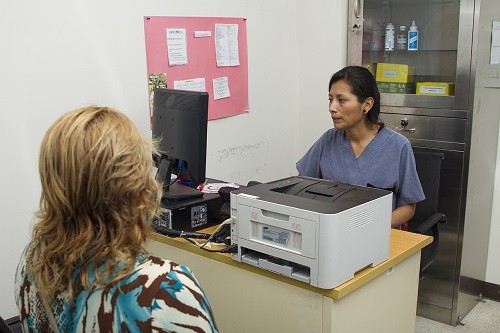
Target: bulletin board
{"x": 201, "y": 60}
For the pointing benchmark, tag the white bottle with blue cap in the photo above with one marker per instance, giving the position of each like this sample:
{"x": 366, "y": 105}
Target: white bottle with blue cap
{"x": 413, "y": 37}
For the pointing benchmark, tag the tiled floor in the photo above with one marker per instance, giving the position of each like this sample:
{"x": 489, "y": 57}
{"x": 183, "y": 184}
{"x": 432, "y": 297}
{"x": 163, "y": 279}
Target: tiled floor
{"x": 483, "y": 318}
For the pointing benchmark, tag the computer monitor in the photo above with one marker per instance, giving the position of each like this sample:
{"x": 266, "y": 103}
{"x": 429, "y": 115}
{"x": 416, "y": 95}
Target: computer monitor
{"x": 180, "y": 120}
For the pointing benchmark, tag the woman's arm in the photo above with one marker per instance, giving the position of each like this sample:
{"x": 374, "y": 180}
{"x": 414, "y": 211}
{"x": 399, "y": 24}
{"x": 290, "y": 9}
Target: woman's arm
{"x": 402, "y": 214}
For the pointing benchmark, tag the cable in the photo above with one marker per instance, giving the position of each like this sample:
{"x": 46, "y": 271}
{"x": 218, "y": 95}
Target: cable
{"x": 189, "y": 235}
{"x": 229, "y": 249}
{"x": 233, "y": 248}
{"x": 227, "y": 221}
{"x": 179, "y": 233}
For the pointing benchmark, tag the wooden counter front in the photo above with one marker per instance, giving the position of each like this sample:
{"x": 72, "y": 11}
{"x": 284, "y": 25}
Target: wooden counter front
{"x": 403, "y": 245}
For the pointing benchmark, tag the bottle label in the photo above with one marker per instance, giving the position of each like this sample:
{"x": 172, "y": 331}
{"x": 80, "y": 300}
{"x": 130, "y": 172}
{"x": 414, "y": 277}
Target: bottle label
{"x": 401, "y": 42}
{"x": 389, "y": 41}
{"x": 413, "y": 40}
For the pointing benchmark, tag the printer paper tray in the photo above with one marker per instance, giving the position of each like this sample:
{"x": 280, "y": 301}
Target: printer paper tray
{"x": 280, "y": 266}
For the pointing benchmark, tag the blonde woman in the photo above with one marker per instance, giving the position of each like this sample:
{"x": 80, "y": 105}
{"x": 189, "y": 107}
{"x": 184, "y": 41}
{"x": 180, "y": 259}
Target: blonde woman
{"x": 85, "y": 268}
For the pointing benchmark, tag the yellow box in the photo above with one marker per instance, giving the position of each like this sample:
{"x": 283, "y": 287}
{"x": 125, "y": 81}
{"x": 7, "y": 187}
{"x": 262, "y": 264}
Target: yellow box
{"x": 398, "y": 73}
{"x": 435, "y": 88}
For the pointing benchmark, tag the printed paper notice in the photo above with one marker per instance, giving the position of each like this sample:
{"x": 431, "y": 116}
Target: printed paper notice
{"x": 226, "y": 45}
{"x": 495, "y": 43}
{"x": 176, "y": 46}
{"x": 202, "y": 34}
{"x": 221, "y": 88}
{"x": 191, "y": 84}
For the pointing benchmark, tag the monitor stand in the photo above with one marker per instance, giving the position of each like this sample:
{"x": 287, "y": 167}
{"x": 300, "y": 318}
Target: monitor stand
{"x": 175, "y": 191}
{"x": 178, "y": 191}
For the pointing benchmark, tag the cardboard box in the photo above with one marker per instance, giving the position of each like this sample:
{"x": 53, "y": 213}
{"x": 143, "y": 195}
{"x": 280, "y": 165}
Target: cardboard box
{"x": 397, "y": 88}
{"x": 435, "y": 88}
{"x": 372, "y": 67}
{"x": 398, "y": 73}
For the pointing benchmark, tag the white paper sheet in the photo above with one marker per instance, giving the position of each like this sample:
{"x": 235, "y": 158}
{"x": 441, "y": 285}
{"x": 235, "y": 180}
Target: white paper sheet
{"x": 215, "y": 187}
{"x": 495, "y": 43}
{"x": 197, "y": 84}
{"x": 177, "y": 47}
{"x": 221, "y": 88}
{"x": 226, "y": 45}
{"x": 202, "y": 34}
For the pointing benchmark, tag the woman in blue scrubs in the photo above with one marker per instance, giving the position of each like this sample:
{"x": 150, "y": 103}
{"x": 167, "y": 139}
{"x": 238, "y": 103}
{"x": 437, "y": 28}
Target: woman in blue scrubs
{"x": 359, "y": 149}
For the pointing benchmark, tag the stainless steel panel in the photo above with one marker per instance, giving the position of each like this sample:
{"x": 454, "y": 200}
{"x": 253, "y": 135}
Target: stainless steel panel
{"x": 439, "y": 283}
{"x": 410, "y": 100}
{"x": 355, "y": 31}
{"x": 438, "y": 131}
{"x": 465, "y": 78}
{"x": 434, "y": 312}
{"x": 468, "y": 296}
{"x": 426, "y": 131}
{"x": 438, "y": 286}
{"x": 447, "y": 113}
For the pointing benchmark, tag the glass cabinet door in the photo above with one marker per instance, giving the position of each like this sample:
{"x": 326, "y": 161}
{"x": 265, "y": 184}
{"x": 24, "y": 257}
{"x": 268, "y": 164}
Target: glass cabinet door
{"x": 436, "y": 73}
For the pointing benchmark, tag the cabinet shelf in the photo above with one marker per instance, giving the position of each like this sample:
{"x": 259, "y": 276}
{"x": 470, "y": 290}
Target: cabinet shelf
{"x": 411, "y": 52}
{"x": 411, "y": 2}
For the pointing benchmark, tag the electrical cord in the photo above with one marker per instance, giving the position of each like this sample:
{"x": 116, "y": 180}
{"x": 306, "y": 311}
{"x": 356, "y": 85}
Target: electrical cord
{"x": 221, "y": 233}
{"x": 222, "y": 225}
{"x": 233, "y": 248}
{"x": 179, "y": 233}
{"x": 229, "y": 249}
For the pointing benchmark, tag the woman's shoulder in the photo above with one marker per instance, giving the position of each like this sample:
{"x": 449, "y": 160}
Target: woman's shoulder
{"x": 333, "y": 134}
{"x": 394, "y": 137}
{"x": 150, "y": 265}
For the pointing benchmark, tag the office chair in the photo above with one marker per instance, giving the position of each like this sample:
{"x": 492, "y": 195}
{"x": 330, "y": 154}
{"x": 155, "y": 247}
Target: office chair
{"x": 225, "y": 192}
{"x": 427, "y": 218}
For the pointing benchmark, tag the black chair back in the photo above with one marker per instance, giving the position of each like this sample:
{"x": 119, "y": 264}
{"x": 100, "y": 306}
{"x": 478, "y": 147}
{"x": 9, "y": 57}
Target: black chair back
{"x": 426, "y": 218}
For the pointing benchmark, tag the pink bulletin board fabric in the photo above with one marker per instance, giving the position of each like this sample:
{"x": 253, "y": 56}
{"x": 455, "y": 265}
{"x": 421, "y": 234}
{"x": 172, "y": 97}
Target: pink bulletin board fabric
{"x": 201, "y": 59}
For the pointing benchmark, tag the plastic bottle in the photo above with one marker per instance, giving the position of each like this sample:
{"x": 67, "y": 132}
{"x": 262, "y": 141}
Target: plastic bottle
{"x": 377, "y": 37}
{"x": 401, "y": 38}
{"x": 389, "y": 37}
{"x": 413, "y": 37}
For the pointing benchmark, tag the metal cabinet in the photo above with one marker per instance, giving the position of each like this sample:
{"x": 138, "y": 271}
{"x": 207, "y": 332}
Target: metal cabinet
{"x": 453, "y": 46}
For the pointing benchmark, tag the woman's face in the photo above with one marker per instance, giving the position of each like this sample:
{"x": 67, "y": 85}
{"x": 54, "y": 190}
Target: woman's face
{"x": 344, "y": 107}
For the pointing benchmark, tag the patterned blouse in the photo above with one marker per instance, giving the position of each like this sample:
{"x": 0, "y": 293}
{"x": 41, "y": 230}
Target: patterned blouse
{"x": 158, "y": 296}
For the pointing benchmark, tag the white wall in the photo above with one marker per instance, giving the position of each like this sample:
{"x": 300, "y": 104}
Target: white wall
{"x": 322, "y": 33}
{"x": 59, "y": 55}
{"x": 261, "y": 145}
{"x": 493, "y": 263}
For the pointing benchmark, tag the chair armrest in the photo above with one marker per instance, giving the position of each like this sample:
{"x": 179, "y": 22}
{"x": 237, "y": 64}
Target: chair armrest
{"x": 430, "y": 222}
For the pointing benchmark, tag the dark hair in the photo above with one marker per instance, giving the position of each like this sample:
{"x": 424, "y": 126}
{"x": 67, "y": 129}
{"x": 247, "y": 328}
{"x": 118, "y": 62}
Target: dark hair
{"x": 363, "y": 85}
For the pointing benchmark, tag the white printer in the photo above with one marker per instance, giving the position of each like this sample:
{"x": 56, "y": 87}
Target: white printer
{"x": 313, "y": 230}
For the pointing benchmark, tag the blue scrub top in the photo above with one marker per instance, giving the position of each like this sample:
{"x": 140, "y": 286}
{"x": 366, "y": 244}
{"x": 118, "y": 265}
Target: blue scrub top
{"x": 387, "y": 162}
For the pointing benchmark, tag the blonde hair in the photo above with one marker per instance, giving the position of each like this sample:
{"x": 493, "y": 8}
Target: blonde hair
{"x": 98, "y": 198}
